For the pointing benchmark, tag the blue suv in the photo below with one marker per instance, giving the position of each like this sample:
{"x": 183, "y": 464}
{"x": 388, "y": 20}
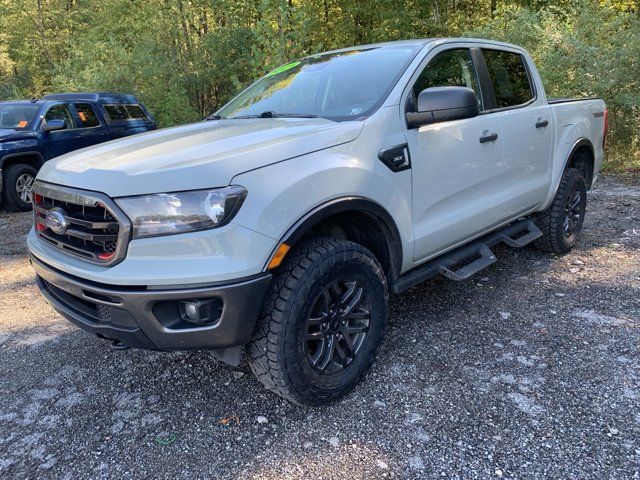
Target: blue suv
{"x": 32, "y": 132}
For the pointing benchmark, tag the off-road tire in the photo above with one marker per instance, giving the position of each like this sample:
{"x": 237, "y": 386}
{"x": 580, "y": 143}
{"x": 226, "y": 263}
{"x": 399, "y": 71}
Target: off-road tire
{"x": 551, "y": 221}
{"x": 12, "y": 202}
{"x": 277, "y": 352}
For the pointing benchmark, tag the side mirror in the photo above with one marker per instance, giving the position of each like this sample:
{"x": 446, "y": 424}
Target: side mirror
{"x": 442, "y": 104}
{"x": 53, "y": 125}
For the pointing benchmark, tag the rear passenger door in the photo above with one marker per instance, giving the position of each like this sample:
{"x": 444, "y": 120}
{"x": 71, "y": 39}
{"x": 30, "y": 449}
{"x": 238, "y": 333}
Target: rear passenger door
{"x": 91, "y": 129}
{"x": 527, "y": 133}
{"x": 127, "y": 119}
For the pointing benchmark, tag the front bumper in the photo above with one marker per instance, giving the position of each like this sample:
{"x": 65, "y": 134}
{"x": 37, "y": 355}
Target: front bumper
{"x": 149, "y": 318}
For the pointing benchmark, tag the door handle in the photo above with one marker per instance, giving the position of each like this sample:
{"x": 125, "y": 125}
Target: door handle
{"x": 489, "y": 137}
{"x": 542, "y": 123}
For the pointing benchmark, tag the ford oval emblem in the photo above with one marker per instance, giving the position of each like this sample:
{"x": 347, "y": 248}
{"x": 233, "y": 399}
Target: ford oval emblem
{"x": 56, "y": 221}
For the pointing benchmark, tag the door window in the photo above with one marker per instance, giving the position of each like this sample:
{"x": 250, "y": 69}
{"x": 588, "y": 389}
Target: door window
{"x": 87, "y": 116}
{"x": 451, "y": 68}
{"x": 59, "y": 112}
{"x": 509, "y": 77}
{"x": 136, "y": 112}
{"x": 125, "y": 112}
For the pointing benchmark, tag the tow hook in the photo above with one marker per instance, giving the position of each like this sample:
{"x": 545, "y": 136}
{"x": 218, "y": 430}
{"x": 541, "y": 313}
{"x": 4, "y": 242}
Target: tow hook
{"x": 115, "y": 344}
{"x": 118, "y": 345}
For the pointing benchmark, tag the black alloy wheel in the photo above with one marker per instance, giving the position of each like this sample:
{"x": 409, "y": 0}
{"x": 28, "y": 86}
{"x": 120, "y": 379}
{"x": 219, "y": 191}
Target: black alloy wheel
{"x": 337, "y": 326}
{"x": 322, "y": 321}
{"x": 572, "y": 212}
{"x": 561, "y": 223}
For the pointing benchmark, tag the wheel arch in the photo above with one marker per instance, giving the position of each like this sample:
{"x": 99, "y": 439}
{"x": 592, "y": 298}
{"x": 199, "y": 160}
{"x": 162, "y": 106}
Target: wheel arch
{"x": 33, "y": 158}
{"x": 582, "y": 157}
{"x": 358, "y": 219}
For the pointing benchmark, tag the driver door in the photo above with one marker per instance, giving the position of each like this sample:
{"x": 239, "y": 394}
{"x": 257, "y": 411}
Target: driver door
{"x": 456, "y": 165}
{"x": 59, "y": 142}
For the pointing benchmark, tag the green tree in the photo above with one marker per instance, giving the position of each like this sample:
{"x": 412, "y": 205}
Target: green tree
{"x": 186, "y": 58}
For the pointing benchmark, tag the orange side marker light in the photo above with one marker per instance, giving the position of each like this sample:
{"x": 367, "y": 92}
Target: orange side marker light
{"x": 279, "y": 256}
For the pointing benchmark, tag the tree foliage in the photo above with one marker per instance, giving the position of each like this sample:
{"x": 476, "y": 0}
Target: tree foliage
{"x": 186, "y": 58}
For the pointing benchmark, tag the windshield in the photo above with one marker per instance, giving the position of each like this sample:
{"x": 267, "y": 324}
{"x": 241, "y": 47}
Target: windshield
{"x": 17, "y": 117}
{"x": 338, "y": 86}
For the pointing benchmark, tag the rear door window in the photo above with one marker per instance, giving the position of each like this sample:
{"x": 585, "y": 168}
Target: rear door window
{"x": 136, "y": 112}
{"x": 116, "y": 112}
{"x": 87, "y": 116}
{"x": 125, "y": 112}
{"x": 60, "y": 112}
{"x": 508, "y": 74}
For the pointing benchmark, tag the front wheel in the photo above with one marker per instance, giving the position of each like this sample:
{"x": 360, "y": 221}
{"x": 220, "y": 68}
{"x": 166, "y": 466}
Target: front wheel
{"x": 562, "y": 222}
{"x": 322, "y": 322}
{"x": 18, "y": 187}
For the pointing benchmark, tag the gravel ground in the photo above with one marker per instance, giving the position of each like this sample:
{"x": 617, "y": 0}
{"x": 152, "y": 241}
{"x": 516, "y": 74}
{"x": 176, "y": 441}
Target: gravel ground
{"x": 529, "y": 370}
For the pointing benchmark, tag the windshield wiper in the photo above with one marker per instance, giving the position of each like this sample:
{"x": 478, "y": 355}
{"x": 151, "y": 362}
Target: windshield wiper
{"x": 272, "y": 114}
{"x": 296, "y": 115}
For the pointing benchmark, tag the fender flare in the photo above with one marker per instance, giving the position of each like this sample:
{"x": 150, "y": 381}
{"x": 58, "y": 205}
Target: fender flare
{"x": 22, "y": 154}
{"x": 348, "y": 204}
{"x": 581, "y": 142}
{"x": 556, "y": 175}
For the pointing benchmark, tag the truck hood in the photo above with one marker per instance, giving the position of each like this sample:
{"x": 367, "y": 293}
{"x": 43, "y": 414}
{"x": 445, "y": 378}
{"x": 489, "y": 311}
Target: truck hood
{"x": 9, "y": 135}
{"x": 196, "y": 156}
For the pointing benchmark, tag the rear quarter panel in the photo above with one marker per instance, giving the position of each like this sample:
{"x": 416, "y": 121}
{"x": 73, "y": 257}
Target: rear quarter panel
{"x": 575, "y": 121}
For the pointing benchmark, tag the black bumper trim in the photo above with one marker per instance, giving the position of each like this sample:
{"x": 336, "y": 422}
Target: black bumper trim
{"x": 131, "y": 318}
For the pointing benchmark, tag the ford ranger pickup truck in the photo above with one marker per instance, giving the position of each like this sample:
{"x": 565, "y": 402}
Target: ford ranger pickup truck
{"x": 32, "y": 132}
{"x": 275, "y": 230}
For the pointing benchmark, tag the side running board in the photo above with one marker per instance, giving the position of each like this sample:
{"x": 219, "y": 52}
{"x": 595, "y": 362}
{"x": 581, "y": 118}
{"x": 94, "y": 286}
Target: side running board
{"x": 465, "y": 261}
{"x": 486, "y": 258}
{"x": 528, "y": 233}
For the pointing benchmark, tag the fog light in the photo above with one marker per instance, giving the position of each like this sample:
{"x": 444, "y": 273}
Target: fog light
{"x": 200, "y": 312}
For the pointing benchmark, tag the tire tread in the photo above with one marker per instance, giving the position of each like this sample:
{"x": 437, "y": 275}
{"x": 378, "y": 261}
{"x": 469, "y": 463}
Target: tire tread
{"x": 550, "y": 221}
{"x": 268, "y": 358}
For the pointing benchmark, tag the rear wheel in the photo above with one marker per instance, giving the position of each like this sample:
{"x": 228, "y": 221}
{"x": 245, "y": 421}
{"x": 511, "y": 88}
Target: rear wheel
{"x": 18, "y": 187}
{"x": 322, "y": 322}
{"x": 562, "y": 222}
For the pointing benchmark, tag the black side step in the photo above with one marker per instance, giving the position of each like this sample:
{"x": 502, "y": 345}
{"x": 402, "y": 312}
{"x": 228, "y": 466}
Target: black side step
{"x": 486, "y": 258}
{"x": 473, "y": 257}
{"x": 528, "y": 234}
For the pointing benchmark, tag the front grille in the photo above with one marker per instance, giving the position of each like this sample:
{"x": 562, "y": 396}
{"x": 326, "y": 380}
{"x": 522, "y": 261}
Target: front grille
{"x": 94, "y": 228}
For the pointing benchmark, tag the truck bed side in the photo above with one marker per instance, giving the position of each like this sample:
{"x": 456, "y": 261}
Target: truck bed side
{"x": 578, "y": 122}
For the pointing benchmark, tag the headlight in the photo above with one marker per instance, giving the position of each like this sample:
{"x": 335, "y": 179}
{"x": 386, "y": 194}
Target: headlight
{"x": 170, "y": 213}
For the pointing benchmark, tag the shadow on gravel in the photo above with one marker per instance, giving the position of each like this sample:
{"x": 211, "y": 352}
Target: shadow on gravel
{"x": 529, "y": 368}
{"x": 505, "y": 370}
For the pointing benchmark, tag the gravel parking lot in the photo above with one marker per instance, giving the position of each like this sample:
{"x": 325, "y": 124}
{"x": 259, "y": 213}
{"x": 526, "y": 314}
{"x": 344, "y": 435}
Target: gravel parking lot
{"x": 529, "y": 370}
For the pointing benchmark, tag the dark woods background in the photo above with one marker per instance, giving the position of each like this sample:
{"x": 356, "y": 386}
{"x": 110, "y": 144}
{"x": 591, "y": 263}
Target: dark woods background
{"x": 185, "y": 58}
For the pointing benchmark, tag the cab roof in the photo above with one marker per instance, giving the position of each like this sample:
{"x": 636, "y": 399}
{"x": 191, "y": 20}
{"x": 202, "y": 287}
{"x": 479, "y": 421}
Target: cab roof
{"x": 421, "y": 42}
{"x": 98, "y": 97}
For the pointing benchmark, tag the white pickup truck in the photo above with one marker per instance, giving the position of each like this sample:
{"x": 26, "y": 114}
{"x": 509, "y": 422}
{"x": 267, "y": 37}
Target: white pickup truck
{"x": 278, "y": 226}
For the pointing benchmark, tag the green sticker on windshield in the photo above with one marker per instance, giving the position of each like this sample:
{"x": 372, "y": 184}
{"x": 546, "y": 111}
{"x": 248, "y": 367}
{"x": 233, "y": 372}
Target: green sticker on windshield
{"x": 283, "y": 68}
